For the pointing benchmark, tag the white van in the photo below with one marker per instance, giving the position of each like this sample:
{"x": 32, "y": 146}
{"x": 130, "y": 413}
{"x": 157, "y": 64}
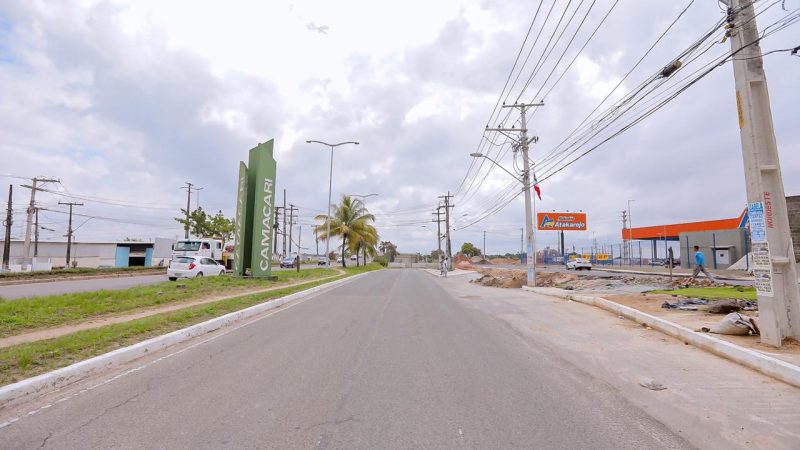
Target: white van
{"x": 202, "y": 247}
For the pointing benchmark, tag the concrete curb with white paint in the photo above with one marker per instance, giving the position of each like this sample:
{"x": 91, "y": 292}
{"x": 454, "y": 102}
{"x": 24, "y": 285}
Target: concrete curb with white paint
{"x": 47, "y": 382}
{"x": 773, "y": 367}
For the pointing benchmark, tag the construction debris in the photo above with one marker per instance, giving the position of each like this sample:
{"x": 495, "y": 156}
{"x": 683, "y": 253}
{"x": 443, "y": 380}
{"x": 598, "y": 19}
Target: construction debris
{"x": 734, "y": 324}
{"x": 685, "y": 304}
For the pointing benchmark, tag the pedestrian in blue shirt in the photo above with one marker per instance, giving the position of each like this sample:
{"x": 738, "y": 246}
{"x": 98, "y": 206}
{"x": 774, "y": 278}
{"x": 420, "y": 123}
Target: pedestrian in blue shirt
{"x": 700, "y": 265}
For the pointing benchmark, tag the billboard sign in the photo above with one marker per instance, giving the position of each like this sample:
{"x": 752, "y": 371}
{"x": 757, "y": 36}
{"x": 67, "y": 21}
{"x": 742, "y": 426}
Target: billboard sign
{"x": 255, "y": 213}
{"x": 239, "y": 254}
{"x": 561, "y": 221}
{"x": 261, "y": 177}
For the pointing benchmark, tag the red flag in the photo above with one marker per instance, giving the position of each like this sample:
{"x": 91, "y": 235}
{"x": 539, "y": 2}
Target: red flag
{"x": 538, "y": 191}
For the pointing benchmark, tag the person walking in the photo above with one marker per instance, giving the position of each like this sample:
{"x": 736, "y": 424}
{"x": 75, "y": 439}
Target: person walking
{"x": 700, "y": 265}
{"x": 444, "y": 266}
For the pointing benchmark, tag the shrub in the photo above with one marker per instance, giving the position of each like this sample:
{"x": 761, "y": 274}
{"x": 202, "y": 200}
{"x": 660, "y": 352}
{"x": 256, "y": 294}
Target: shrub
{"x": 382, "y": 260}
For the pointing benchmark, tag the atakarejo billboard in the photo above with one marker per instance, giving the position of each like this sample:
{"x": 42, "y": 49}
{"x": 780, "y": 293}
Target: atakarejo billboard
{"x": 561, "y": 221}
{"x": 255, "y": 213}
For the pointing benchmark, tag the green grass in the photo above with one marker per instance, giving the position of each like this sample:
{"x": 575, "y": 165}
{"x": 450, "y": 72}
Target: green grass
{"x": 59, "y": 273}
{"x": 724, "y": 292}
{"x": 31, "y": 359}
{"x": 18, "y": 316}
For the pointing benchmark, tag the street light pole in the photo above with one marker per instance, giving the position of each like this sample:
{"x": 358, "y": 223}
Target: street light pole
{"x": 330, "y": 191}
{"x": 630, "y": 230}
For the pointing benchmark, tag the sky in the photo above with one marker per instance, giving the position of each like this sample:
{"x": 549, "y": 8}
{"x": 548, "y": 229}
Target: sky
{"x": 125, "y": 101}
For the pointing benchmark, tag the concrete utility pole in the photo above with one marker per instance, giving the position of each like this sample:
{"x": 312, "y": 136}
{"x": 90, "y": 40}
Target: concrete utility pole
{"x": 438, "y": 221}
{"x": 276, "y": 231}
{"x": 69, "y": 229}
{"x": 188, "y": 188}
{"x": 774, "y": 264}
{"x": 448, "y": 248}
{"x": 299, "y": 237}
{"x": 630, "y": 229}
{"x": 626, "y": 250}
{"x": 8, "y": 222}
{"x": 26, "y": 245}
{"x": 526, "y": 183}
{"x": 292, "y": 209}
{"x": 283, "y": 232}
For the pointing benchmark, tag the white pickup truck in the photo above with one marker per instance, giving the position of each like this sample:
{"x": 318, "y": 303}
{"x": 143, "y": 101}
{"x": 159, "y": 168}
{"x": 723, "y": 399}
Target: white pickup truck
{"x": 203, "y": 247}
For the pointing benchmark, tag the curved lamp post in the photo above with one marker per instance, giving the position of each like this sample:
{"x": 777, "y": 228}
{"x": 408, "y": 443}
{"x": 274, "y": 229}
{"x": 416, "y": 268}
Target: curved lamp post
{"x": 330, "y": 189}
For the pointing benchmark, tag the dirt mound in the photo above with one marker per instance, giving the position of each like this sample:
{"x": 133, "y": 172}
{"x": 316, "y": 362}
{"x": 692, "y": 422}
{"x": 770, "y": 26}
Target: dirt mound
{"x": 504, "y": 261}
{"x": 512, "y": 279}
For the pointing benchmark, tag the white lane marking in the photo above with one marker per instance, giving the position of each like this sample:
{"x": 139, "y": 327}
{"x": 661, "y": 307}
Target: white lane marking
{"x": 281, "y": 308}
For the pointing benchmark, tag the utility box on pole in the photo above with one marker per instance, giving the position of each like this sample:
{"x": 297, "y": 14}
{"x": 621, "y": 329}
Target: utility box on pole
{"x": 774, "y": 265}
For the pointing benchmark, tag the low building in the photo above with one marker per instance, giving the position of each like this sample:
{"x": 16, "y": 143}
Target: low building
{"x": 97, "y": 254}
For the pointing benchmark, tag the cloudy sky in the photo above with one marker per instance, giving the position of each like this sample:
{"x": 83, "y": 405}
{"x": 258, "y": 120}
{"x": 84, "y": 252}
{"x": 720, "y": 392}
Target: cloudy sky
{"x": 124, "y": 101}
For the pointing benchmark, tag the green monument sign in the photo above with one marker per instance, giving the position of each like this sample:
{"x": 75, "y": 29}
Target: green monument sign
{"x": 255, "y": 213}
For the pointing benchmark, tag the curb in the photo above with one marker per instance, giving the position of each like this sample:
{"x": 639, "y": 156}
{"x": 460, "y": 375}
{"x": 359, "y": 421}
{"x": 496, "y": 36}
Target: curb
{"x": 143, "y": 273}
{"x": 47, "y": 382}
{"x": 463, "y": 272}
{"x": 767, "y": 365}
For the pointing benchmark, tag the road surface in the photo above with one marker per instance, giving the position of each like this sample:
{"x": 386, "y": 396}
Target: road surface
{"x": 400, "y": 359}
{"x": 16, "y": 291}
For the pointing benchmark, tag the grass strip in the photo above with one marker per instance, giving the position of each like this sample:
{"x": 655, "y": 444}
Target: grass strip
{"x": 712, "y": 293}
{"x": 34, "y": 358}
{"x": 18, "y": 316}
{"x": 61, "y": 273}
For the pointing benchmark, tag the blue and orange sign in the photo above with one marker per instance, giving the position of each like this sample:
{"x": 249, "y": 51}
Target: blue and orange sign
{"x": 561, "y": 221}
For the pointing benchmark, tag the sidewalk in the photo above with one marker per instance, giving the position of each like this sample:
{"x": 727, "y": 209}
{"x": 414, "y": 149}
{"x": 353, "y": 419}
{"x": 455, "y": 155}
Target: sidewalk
{"x": 714, "y": 402}
{"x": 733, "y": 275}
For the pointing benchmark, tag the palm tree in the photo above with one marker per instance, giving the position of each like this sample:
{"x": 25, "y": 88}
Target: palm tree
{"x": 364, "y": 239}
{"x": 348, "y": 219}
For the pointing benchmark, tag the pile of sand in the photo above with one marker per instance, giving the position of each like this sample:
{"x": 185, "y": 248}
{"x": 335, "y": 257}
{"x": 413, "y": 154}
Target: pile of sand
{"x": 513, "y": 279}
{"x": 504, "y": 261}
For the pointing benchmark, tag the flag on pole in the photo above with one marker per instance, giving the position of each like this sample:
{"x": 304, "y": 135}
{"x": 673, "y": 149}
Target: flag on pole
{"x": 536, "y": 186}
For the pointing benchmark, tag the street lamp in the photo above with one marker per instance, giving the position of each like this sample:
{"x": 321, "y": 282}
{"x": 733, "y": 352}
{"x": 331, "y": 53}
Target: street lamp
{"x": 330, "y": 190}
{"x": 630, "y": 232}
{"x": 531, "y": 231}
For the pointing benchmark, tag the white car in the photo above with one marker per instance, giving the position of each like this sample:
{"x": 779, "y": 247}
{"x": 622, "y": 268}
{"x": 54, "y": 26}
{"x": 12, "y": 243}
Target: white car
{"x": 193, "y": 267}
{"x": 579, "y": 264}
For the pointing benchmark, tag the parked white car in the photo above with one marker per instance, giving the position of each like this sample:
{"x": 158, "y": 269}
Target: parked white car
{"x": 579, "y": 264}
{"x": 193, "y": 267}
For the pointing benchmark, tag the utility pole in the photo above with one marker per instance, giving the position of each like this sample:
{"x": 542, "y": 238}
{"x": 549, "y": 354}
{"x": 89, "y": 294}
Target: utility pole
{"x": 69, "y": 229}
{"x": 276, "y": 231}
{"x": 292, "y": 209}
{"x": 625, "y": 250}
{"x": 526, "y": 183}
{"x": 36, "y": 235}
{"x": 774, "y": 264}
{"x": 283, "y": 235}
{"x": 299, "y": 237}
{"x": 8, "y": 223}
{"x": 26, "y": 246}
{"x": 188, "y": 188}
{"x": 448, "y": 244}
{"x": 438, "y": 221}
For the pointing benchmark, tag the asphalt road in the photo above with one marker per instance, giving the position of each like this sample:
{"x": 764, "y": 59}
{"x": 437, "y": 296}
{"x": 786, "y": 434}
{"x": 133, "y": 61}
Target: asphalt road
{"x": 17, "y": 291}
{"x": 391, "y": 360}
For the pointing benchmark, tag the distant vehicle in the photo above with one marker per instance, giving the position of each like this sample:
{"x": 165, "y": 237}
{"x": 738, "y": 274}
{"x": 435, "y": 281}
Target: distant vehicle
{"x": 322, "y": 261}
{"x": 289, "y": 261}
{"x": 204, "y": 247}
{"x": 193, "y": 267}
{"x": 339, "y": 259}
{"x": 353, "y": 258}
{"x": 579, "y": 264}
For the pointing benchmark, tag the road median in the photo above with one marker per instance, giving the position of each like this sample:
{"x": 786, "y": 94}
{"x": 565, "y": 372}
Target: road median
{"x": 69, "y": 358}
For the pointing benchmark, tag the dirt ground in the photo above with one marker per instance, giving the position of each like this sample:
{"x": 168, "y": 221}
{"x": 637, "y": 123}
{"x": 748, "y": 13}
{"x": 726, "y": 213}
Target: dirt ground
{"x": 694, "y": 320}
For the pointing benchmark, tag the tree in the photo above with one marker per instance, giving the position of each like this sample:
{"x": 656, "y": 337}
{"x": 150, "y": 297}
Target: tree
{"x": 470, "y": 250}
{"x": 203, "y": 225}
{"x": 350, "y": 219}
{"x": 436, "y": 255}
{"x": 388, "y": 249}
{"x": 363, "y": 239}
